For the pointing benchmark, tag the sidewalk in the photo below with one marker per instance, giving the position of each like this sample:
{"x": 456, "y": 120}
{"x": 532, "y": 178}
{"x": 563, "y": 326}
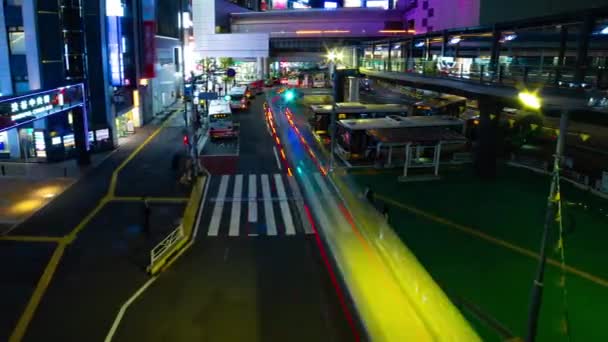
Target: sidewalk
{"x": 28, "y": 187}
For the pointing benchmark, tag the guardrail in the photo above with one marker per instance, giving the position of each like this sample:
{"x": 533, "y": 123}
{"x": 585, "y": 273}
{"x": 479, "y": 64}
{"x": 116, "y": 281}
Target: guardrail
{"x": 161, "y": 249}
{"x": 170, "y": 245}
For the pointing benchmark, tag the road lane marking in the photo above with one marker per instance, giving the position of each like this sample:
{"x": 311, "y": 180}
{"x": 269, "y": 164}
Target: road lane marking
{"x": 276, "y": 157}
{"x": 252, "y": 215}
{"x": 124, "y": 307}
{"x": 483, "y": 236}
{"x": 268, "y": 210}
{"x": 287, "y": 219}
{"x": 51, "y": 267}
{"x": 201, "y": 207}
{"x": 214, "y": 226}
{"x": 114, "y": 180}
{"x": 32, "y": 304}
{"x": 235, "y": 215}
{"x": 295, "y": 189}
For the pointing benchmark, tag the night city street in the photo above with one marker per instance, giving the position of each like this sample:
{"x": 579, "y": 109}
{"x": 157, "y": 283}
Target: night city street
{"x": 303, "y": 170}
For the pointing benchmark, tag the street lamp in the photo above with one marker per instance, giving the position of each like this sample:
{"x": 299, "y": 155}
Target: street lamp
{"x": 333, "y": 57}
{"x": 531, "y": 100}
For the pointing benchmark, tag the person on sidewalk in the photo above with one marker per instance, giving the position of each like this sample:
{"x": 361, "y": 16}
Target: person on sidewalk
{"x": 385, "y": 211}
{"x": 146, "y": 226}
{"x": 369, "y": 194}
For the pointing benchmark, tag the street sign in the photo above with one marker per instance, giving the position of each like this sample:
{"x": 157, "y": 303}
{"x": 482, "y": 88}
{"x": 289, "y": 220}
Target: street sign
{"x": 230, "y": 72}
{"x": 207, "y": 96}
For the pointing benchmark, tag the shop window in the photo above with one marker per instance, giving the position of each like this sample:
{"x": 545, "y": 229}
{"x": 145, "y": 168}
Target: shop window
{"x": 4, "y": 142}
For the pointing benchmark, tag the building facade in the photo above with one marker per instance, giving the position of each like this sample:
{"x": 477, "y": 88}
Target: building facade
{"x": 78, "y": 75}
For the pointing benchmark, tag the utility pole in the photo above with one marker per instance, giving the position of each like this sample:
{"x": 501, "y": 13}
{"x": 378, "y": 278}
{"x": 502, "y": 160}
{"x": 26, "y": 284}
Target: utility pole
{"x": 554, "y": 197}
{"x": 182, "y": 37}
{"x": 332, "y": 119}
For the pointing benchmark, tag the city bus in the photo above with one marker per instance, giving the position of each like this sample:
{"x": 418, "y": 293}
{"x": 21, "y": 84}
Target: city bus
{"x": 239, "y": 98}
{"x": 441, "y": 105}
{"x": 220, "y": 120}
{"x": 319, "y": 122}
{"x": 358, "y": 139}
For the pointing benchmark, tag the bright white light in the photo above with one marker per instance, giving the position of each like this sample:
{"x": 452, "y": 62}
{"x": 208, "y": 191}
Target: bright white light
{"x": 419, "y": 44}
{"x": 186, "y": 20}
{"x": 114, "y": 8}
{"x": 455, "y": 40}
{"x": 330, "y": 4}
{"x": 530, "y": 100}
{"x": 510, "y": 37}
{"x": 604, "y": 30}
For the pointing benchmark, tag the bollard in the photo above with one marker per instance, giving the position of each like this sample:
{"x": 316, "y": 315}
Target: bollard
{"x": 3, "y": 171}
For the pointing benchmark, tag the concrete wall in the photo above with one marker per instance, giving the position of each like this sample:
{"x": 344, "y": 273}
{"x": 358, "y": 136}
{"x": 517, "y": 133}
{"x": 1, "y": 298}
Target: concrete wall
{"x": 349, "y": 22}
{"x": 499, "y": 11}
{"x": 166, "y": 84}
{"x": 447, "y": 14}
{"x": 6, "y": 84}
{"x": 209, "y": 44}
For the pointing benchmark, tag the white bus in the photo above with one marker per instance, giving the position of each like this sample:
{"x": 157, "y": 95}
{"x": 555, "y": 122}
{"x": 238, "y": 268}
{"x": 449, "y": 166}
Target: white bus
{"x": 220, "y": 120}
{"x": 239, "y": 98}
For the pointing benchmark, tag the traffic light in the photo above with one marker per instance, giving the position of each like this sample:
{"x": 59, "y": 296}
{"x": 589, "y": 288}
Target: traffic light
{"x": 289, "y": 95}
{"x": 227, "y": 97}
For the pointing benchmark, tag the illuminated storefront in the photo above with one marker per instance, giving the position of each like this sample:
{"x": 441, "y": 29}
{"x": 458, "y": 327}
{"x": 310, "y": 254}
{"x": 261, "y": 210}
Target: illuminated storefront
{"x": 46, "y": 126}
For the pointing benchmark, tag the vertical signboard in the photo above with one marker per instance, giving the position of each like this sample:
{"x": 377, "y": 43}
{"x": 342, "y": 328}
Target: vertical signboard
{"x": 114, "y": 13}
{"x": 149, "y": 33}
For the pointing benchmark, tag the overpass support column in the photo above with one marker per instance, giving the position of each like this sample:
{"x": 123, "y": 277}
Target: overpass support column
{"x": 260, "y": 67}
{"x": 389, "y": 60}
{"x": 582, "y": 49}
{"x": 495, "y": 52}
{"x": 563, "y": 41}
{"x": 486, "y": 146}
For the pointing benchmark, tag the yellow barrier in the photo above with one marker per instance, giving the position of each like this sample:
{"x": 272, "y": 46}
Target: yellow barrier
{"x": 437, "y": 317}
{"x": 188, "y": 222}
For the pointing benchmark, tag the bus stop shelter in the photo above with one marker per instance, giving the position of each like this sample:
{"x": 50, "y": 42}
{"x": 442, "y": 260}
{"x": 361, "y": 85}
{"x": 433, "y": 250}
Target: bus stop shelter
{"x": 421, "y": 147}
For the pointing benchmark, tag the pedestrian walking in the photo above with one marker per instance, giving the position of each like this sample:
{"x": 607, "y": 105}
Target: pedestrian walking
{"x": 385, "y": 211}
{"x": 369, "y": 194}
{"x": 146, "y": 225}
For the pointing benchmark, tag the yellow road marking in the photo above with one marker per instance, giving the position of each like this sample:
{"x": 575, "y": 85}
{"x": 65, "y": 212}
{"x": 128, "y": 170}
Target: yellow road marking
{"x": 114, "y": 180}
{"x": 72, "y": 235}
{"x": 51, "y": 267}
{"x": 43, "y": 284}
{"x": 585, "y": 275}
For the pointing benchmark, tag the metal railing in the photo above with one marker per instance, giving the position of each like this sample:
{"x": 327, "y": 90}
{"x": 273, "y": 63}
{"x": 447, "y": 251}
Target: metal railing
{"x": 165, "y": 245}
{"x": 503, "y": 74}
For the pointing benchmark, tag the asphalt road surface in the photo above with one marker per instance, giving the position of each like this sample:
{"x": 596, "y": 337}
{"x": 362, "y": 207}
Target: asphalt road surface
{"x": 106, "y": 262}
{"x": 254, "y": 272}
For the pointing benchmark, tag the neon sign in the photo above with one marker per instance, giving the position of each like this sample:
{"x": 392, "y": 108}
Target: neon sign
{"x": 18, "y": 110}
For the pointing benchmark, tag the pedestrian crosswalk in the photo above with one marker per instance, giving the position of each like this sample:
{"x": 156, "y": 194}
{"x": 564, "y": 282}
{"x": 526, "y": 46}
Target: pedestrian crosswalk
{"x": 253, "y": 205}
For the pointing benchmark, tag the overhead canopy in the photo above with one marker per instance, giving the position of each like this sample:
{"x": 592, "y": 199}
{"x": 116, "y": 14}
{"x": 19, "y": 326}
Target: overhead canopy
{"x": 416, "y": 135}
